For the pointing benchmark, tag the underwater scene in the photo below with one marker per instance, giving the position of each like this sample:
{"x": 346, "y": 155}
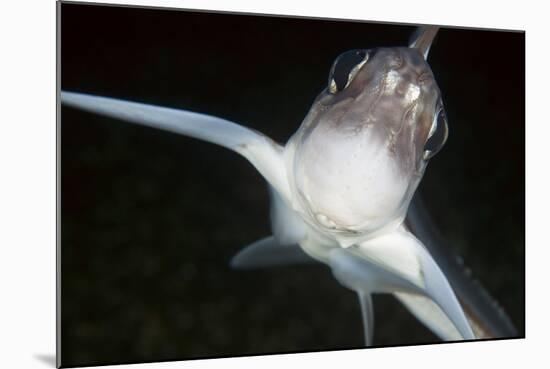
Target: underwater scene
{"x": 297, "y": 212}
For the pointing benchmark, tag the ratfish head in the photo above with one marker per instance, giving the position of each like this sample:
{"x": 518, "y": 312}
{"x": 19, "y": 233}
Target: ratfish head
{"x": 360, "y": 153}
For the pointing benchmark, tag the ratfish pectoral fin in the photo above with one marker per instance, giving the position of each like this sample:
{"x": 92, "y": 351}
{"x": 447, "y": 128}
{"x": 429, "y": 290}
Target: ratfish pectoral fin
{"x": 365, "y": 278}
{"x": 401, "y": 254}
{"x": 267, "y": 252}
{"x": 262, "y": 152}
{"x": 430, "y": 314}
{"x": 361, "y": 274}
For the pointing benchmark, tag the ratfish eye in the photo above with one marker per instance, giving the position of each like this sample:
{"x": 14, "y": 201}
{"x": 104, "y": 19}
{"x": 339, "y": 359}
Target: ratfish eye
{"x": 345, "y": 68}
{"x": 438, "y": 134}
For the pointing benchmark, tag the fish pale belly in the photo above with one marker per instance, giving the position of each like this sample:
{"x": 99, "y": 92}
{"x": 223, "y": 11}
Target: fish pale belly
{"x": 349, "y": 180}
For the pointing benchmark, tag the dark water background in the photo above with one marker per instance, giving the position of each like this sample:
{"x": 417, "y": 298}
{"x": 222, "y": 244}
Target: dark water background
{"x": 150, "y": 220}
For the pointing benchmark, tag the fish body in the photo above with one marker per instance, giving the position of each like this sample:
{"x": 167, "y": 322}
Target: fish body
{"x": 341, "y": 187}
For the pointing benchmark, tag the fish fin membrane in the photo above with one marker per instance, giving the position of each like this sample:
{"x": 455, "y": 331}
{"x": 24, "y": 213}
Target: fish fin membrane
{"x": 403, "y": 254}
{"x": 375, "y": 267}
{"x": 367, "y": 316}
{"x": 430, "y": 314}
{"x": 365, "y": 278}
{"x": 264, "y": 154}
{"x": 267, "y": 253}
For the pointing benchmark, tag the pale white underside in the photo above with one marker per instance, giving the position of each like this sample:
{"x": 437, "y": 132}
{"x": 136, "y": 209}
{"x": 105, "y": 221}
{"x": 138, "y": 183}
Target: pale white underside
{"x": 348, "y": 178}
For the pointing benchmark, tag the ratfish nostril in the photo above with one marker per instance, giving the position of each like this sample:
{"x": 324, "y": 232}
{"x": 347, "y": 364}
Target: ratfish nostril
{"x": 423, "y": 77}
{"x": 396, "y": 60}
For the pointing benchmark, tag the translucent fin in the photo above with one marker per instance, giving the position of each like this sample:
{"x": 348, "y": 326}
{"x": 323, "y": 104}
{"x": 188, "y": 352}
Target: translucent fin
{"x": 261, "y": 151}
{"x": 287, "y": 226}
{"x": 365, "y": 278}
{"x": 486, "y": 317}
{"x": 423, "y": 38}
{"x": 431, "y": 315}
{"x": 267, "y": 253}
{"x": 390, "y": 252}
{"x": 440, "y": 291}
{"x": 361, "y": 274}
{"x": 428, "y": 277}
{"x": 367, "y": 315}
